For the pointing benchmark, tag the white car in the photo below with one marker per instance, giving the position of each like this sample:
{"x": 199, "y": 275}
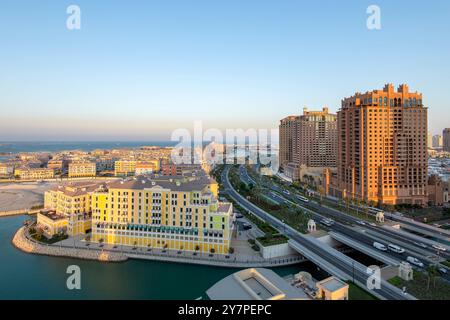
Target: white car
{"x": 372, "y": 224}
{"x": 361, "y": 222}
{"x": 439, "y": 247}
{"x": 414, "y": 261}
{"x": 395, "y": 248}
{"x": 443, "y": 270}
{"x": 327, "y": 222}
{"x": 420, "y": 244}
{"x": 380, "y": 246}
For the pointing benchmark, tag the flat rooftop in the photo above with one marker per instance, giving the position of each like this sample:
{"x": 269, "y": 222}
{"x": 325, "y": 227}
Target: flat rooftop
{"x": 332, "y": 284}
{"x": 255, "y": 284}
{"x": 52, "y": 215}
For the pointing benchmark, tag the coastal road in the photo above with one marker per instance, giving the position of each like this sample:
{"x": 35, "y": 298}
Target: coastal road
{"x": 331, "y": 256}
{"x": 395, "y": 237}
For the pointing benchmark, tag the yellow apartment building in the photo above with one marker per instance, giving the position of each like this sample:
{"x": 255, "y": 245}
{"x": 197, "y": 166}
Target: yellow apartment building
{"x": 51, "y": 223}
{"x": 124, "y": 167}
{"x": 82, "y": 169}
{"x": 162, "y": 212}
{"x": 146, "y": 167}
{"x": 6, "y": 169}
{"x": 72, "y": 201}
{"x": 25, "y": 173}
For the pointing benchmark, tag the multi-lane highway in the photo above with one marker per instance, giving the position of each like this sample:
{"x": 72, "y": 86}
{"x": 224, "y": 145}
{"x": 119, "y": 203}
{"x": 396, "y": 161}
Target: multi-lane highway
{"x": 416, "y": 248}
{"x": 327, "y": 254}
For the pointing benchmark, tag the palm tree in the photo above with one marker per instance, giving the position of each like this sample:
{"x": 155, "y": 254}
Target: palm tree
{"x": 347, "y": 201}
{"x": 212, "y": 250}
{"x": 366, "y": 210}
{"x": 197, "y": 248}
{"x": 432, "y": 275}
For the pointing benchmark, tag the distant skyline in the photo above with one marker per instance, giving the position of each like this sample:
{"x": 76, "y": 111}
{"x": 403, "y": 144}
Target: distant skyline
{"x": 139, "y": 69}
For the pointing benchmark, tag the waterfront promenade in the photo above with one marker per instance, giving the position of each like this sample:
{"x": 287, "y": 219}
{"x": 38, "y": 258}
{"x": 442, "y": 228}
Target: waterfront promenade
{"x": 18, "y": 212}
{"x": 78, "y": 248}
{"x": 22, "y": 241}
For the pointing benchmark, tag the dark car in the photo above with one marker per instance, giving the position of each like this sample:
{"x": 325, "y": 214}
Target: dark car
{"x": 247, "y": 226}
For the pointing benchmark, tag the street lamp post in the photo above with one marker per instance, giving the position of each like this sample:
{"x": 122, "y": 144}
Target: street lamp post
{"x": 353, "y": 271}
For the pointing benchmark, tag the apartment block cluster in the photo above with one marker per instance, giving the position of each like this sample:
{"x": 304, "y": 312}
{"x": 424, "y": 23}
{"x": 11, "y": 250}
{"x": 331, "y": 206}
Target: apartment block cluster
{"x": 373, "y": 150}
{"x": 83, "y": 164}
{"x": 174, "y": 212}
{"x": 440, "y": 142}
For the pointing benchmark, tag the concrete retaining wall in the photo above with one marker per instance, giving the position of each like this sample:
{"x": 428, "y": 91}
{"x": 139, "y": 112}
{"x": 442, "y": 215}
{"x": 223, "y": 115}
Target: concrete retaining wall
{"x": 275, "y": 251}
{"x": 21, "y": 242}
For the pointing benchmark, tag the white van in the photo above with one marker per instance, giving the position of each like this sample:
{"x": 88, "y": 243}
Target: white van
{"x": 395, "y": 248}
{"x": 380, "y": 246}
{"x": 414, "y": 261}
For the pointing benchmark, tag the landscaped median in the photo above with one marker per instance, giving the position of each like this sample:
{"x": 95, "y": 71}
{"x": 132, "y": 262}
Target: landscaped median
{"x": 424, "y": 286}
{"x": 22, "y": 242}
{"x": 289, "y": 214}
{"x": 356, "y": 293}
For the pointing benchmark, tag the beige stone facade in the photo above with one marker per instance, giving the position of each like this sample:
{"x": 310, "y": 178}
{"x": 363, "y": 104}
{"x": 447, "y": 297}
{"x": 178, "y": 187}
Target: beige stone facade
{"x": 382, "y": 147}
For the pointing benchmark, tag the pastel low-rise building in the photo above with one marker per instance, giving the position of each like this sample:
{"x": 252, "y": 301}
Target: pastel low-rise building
{"x": 332, "y": 288}
{"x": 58, "y": 165}
{"x": 51, "y": 223}
{"x": 147, "y": 167}
{"x": 82, "y": 169}
{"x": 6, "y": 169}
{"x": 26, "y": 173}
{"x": 124, "y": 168}
{"x": 74, "y": 202}
{"x": 170, "y": 169}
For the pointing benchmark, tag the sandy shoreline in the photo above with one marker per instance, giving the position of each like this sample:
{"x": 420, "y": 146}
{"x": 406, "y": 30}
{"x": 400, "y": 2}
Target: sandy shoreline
{"x": 15, "y": 196}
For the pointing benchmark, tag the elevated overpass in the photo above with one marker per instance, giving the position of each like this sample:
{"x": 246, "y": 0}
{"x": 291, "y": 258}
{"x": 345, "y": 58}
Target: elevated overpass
{"x": 368, "y": 250}
{"x": 324, "y": 256}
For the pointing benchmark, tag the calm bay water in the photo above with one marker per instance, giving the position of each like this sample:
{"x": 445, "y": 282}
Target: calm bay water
{"x": 29, "y": 276}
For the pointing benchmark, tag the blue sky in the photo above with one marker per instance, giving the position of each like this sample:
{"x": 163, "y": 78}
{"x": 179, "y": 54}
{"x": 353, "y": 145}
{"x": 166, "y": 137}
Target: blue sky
{"x": 139, "y": 69}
